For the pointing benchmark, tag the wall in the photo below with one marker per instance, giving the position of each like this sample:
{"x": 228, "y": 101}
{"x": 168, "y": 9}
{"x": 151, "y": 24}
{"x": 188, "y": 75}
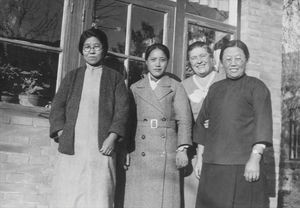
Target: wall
{"x": 261, "y": 30}
{"x": 26, "y": 157}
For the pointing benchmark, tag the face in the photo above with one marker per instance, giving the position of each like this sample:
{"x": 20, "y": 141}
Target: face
{"x": 92, "y": 51}
{"x": 234, "y": 62}
{"x": 157, "y": 63}
{"x": 200, "y": 61}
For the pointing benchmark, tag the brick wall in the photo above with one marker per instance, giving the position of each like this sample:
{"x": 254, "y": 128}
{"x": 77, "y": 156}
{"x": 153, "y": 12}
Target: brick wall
{"x": 26, "y": 158}
{"x": 261, "y": 30}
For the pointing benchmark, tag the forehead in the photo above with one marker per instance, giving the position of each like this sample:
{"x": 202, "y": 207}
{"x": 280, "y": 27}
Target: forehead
{"x": 198, "y": 51}
{"x": 234, "y": 51}
{"x": 92, "y": 40}
{"x": 157, "y": 52}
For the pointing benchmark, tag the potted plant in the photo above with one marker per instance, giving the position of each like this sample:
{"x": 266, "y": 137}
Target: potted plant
{"x": 33, "y": 85}
{"x": 9, "y": 82}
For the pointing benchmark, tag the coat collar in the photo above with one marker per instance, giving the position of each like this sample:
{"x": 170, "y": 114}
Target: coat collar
{"x": 154, "y": 97}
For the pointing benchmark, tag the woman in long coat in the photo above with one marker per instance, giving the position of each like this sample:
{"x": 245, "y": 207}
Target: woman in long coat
{"x": 163, "y": 132}
{"x": 88, "y": 116}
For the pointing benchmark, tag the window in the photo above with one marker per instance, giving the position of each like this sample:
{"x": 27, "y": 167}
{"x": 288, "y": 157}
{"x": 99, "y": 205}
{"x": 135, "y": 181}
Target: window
{"x": 295, "y": 134}
{"x": 131, "y": 28}
{"x": 30, "y": 34}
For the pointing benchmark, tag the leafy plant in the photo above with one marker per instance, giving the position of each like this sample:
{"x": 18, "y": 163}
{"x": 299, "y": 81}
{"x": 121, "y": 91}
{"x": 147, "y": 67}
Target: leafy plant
{"x": 33, "y": 82}
{"x": 9, "y": 79}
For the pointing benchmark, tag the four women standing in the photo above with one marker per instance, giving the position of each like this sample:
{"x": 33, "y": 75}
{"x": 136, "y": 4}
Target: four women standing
{"x": 90, "y": 114}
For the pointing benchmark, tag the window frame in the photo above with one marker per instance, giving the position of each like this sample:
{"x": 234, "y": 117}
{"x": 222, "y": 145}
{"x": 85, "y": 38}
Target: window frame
{"x": 168, "y": 27}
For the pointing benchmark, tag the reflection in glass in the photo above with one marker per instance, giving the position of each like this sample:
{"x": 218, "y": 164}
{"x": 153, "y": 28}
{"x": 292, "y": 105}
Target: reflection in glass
{"x": 110, "y": 16}
{"x": 115, "y": 63}
{"x": 147, "y": 28}
{"x": 29, "y": 61}
{"x": 212, "y": 9}
{"x": 137, "y": 69}
{"x": 31, "y": 20}
{"x": 216, "y": 39}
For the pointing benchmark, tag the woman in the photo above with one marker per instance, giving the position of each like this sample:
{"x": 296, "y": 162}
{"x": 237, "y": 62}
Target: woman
{"x": 240, "y": 127}
{"x": 163, "y": 132}
{"x": 88, "y": 116}
{"x": 201, "y": 61}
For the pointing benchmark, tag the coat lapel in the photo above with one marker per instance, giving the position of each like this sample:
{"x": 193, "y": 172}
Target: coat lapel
{"x": 163, "y": 88}
{"x": 146, "y": 93}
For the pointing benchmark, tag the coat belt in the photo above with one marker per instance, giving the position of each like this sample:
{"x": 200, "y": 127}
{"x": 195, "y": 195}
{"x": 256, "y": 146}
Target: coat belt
{"x": 157, "y": 123}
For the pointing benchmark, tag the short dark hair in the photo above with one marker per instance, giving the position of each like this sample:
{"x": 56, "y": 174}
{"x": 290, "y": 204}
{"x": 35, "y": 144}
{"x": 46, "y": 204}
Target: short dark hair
{"x": 157, "y": 46}
{"x": 235, "y": 43}
{"x": 97, "y": 33}
{"x": 200, "y": 44}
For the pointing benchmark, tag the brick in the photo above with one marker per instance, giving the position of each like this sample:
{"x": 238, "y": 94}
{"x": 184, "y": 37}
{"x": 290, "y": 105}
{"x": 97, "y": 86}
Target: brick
{"x": 19, "y": 139}
{"x": 39, "y": 160}
{"x": 2, "y": 177}
{"x": 39, "y": 141}
{"x": 4, "y": 118}
{"x": 3, "y": 157}
{"x": 40, "y": 122}
{"x": 17, "y": 188}
{"x": 12, "y": 148}
{"x": 16, "y": 178}
{"x": 18, "y": 158}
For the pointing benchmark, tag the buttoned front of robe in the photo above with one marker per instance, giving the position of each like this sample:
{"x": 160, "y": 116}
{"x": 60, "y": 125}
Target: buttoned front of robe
{"x": 153, "y": 179}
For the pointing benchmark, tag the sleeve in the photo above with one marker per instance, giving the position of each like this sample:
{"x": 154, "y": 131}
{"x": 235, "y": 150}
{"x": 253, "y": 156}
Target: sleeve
{"x": 262, "y": 115}
{"x": 183, "y": 116}
{"x": 132, "y": 123}
{"x": 199, "y": 131}
{"x": 58, "y": 107}
{"x": 121, "y": 109}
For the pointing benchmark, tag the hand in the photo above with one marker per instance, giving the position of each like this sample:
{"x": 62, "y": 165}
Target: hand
{"x": 252, "y": 168}
{"x": 198, "y": 167}
{"x": 108, "y": 145}
{"x": 59, "y": 133}
{"x": 206, "y": 124}
{"x": 127, "y": 162}
{"x": 181, "y": 159}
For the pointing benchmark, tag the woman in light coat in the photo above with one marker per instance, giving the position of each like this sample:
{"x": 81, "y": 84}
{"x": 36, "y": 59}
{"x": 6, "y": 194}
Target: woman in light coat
{"x": 163, "y": 132}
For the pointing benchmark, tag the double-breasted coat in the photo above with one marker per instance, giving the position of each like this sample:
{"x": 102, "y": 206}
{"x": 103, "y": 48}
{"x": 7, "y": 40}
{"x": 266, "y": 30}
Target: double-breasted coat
{"x": 163, "y": 123}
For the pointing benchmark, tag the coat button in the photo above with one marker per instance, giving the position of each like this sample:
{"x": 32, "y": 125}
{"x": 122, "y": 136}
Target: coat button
{"x": 143, "y": 154}
{"x": 163, "y": 119}
{"x": 143, "y": 136}
{"x": 163, "y": 136}
{"x": 145, "y": 120}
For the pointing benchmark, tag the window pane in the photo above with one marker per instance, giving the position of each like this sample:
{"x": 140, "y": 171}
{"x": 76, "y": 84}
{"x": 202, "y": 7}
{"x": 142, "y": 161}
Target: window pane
{"x": 28, "y": 63}
{"x": 214, "y": 38}
{"x": 32, "y": 20}
{"x": 147, "y": 28}
{"x": 110, "y": 16}
{"x": 136, "y": 71}
{"x": 212, "y": 9}
{"x": 115, "y": 63}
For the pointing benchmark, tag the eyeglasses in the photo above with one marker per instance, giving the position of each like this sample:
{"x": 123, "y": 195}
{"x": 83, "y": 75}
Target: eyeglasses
{"x": 88, "y": 48}
{"x": 236, "y": 60}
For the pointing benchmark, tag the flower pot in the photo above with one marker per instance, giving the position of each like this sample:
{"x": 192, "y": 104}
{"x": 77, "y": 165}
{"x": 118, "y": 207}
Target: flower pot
{"x": 29, "y": 100}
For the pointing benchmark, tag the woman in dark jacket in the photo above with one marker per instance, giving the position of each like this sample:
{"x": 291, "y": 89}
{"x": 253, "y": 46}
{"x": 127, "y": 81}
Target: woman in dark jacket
{"x": 88, "y": 116}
